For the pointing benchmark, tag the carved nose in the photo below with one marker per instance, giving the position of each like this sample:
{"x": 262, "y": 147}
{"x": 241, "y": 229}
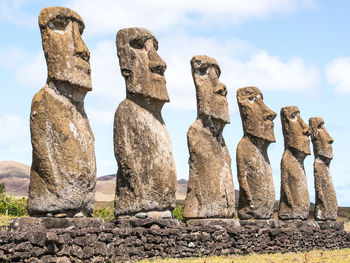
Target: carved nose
{"x": 156, "y": 65}
{"x": 160, "y": 69}
{"x": 81, "y": 49}
{"x": 222, "y": 90}
{"x": 330, "y": 140}
{"x": 269, "y": 114}
{"x": 271, "y": 117}
{"x": 306, "y": 130}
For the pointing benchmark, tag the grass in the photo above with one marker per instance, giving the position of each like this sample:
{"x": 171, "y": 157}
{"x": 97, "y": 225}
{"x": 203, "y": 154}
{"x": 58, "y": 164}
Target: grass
{"x": 334, "y": 256}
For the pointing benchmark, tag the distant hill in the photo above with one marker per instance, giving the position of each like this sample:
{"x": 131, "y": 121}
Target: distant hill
{"x": 15, "y": 176}
{"x": 105, "y": 188}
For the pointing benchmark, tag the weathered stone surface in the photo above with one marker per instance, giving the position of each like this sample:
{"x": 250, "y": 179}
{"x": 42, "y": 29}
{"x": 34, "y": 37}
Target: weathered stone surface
{"x": 225, "y": 222}
{"x": 295, "y": 200}
{"x": 256, "y": 188}
{"x": 67, "y": 56}
{"x": 333, "y": 225}
{"x": 326, "y": 200}
{"x": 147, "y": 223}
{"x": 210, "y": 191}
{"x": 146, "y": 178}
{"x": 63, "y": 172}
{"x": 151, "y": 214}
{"x": 250, "y": 224}
{"x": 260, "y": 223}
{"x": 33, "y": 223}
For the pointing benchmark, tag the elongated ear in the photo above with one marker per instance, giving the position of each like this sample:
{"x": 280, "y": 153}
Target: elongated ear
{"x": 314, "y": 134}
{"x": 124, "y": 52}
{"x": 313, "y": 125}
{"x": 284, "y": 122}
{"x": 125, "y": 61}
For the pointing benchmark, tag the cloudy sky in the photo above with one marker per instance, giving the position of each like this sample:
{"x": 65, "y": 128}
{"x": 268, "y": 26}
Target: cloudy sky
{"x": 296, "y": 51}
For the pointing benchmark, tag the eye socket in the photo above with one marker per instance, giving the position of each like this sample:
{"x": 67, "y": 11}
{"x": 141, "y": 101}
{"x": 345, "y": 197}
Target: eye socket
{"x": 320, "y": 125}
{"x": 217, "y": 70}
{"x": 137, "y": 43}
{"x": 81, "y": 28}
{"x": 58, "y": 24}
{"x": 294, "y": 115}
{"x": 251, "y": 98}
{"x": 202, "y": 69}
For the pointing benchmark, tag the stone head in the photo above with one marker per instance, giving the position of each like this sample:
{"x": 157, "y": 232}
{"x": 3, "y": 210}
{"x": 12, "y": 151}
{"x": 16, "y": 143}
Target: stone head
{"x": 295, "y": 131}
{"x": 321, "y": 140}
{"x": 257, "y": 118}
{"x": 67, "y": 56}
{"x": 140, "y": 64}
{"x": 210, "y": 92}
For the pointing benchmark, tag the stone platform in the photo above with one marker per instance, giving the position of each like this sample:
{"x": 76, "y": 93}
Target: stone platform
{"x": 46, "y": 223}
{"x": 223, "y": 222}
{"x": 233, "y": 223}
{"x": 146, "y": 223}
{"x": 292, "y": 224}
{"x": 66, "y": 240}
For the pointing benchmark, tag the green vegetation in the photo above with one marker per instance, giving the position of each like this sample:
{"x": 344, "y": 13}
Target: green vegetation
{"x": 10, "y": 206}
{"x": 104, "y": 210}
{"x": 334, "y": 256}
{"x": 178, "y": 212}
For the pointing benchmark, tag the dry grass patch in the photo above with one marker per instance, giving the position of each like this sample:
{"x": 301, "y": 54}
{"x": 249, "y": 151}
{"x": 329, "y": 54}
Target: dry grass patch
{"x": 347, "y": 226}
{"x": 336, "y": 256}
{"x": 4, "y": 221}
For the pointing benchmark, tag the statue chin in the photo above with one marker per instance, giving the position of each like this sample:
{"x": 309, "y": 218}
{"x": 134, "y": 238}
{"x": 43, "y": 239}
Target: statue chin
{"x": 266, "y": 136}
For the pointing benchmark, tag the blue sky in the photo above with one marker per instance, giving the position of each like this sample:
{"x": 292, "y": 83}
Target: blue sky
{"x": 296, "y": 51}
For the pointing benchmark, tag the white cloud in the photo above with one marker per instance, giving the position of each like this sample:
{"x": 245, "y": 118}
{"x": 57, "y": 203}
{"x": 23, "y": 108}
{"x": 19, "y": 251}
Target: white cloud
{"x": 13, "y": 11}
{"x": 337, "y": 72}
{"x": 271, "y": 73}
{"x": 106, "y": 77}
{"x": 100, "y": 117}
{"x": 13, "y": 129}
{"x": 29, "y": 69}
{"x": 11, "y": 57}
{"x": 241, "y": 65}
{"x": 110, "y": 15}
{"x": 32, "y": 71}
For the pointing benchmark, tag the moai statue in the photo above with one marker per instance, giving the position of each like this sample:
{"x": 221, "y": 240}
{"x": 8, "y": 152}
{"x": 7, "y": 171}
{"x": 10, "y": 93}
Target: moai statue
{"x": 256, "y": 188}
{"x": 326, "y": 201}
{"x": 146, "y": 178}
{"x": 210, "y": 191}
{"x": 295, "y": 200}
{"x": 63, "y": 172}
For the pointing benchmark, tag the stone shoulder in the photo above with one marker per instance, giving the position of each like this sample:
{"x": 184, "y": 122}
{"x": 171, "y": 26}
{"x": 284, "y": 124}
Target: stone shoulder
{"x": 198, "y": 135}
{"x": 245, "y": 148}
{"x": 38, "y": 97}
{"x": 288, "y": 161}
